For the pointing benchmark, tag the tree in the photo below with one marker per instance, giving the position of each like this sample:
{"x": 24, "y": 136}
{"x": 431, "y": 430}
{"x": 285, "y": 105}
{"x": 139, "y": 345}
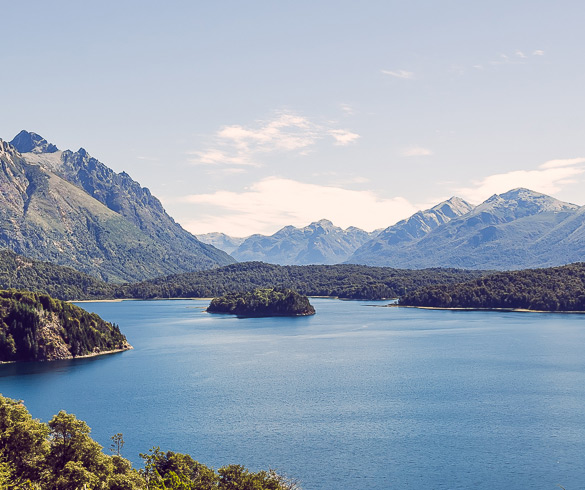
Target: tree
{"x": 117, "y": 443}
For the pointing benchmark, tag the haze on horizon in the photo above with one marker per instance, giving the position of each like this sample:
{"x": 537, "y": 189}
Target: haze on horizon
{"x": 246, "y": 117}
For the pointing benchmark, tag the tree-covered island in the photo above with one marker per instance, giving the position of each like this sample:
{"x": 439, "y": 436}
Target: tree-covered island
{"x": 263, "y": 302}
{"x": 37, "y": 327}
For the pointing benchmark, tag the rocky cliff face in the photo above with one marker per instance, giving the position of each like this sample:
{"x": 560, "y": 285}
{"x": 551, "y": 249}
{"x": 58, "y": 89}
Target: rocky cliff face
{"x": 70, "y": 209}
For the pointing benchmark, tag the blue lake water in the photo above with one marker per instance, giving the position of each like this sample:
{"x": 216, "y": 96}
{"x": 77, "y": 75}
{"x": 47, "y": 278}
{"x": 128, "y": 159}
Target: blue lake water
{"x": 353, "y": 397}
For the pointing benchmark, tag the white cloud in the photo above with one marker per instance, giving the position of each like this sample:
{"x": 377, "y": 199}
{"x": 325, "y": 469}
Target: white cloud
{"x": 538, "y": 52}
{"x": 520, "y": 54}
{"x": 416, "y": 152}
{"x": 549, "y": 178}
{"x": 566, "y": 162}
{"x": 273, "y": 202}
{"x": 286, "y": 132}
{"x": 399, "y": 74}
{"x": 343, "y": 137}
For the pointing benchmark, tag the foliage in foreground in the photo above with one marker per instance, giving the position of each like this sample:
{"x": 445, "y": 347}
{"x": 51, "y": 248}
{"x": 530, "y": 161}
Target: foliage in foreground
{"x": 34, "y": 326}
{"x": 263, "y": 302}
{"x": 551, "y": 289}
{"x": 61, "y": 455}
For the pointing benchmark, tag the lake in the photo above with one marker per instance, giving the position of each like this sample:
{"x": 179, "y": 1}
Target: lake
{"x": 354, "y": 397}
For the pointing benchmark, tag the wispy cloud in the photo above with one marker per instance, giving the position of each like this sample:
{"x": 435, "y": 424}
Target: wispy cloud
{"x": 399, "y": 74}
{"x": 270, "y": 203}
{"x": 286, "y": 132}
{"x": 548, "y": 178}
{"x": 517, "y": 58}
{"x": 416, "y": 152}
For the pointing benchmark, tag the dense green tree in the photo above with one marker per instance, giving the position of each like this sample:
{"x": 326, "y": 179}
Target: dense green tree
{"x": 61, "y": 455}
{"x": 549, "y": 289}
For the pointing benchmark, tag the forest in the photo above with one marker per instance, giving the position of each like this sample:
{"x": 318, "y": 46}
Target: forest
{"x": 263, "y": 302}
{"x": 61, "y": 455}
{"x": 34, "y": 326}
{"x": 551, "y": 289}
{"x": 343, "y": 281}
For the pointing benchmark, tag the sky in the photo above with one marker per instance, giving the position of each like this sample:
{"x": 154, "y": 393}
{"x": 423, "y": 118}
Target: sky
{"x": 244, "y": 117}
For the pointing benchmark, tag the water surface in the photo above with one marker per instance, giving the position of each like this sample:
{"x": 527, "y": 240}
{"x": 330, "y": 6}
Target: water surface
{"x": 354, "y": 397}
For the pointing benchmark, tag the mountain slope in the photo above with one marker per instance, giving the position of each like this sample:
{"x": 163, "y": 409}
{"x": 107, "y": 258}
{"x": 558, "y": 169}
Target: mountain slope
{"x": 47, "y": 213}
{"x": 318, "y": 243}
{"x": 514, "y": 230}
{"x": 381, "y": 249}
{"x": 222, "y": 241}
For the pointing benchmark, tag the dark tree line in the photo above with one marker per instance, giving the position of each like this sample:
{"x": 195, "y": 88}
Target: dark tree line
{"x": 344, "y": 280}
{"x": 550, "y": 289}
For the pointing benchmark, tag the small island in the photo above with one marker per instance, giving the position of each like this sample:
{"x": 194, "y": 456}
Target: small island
{"x": 263, "y": 302}
{"x": 37, "y": 327}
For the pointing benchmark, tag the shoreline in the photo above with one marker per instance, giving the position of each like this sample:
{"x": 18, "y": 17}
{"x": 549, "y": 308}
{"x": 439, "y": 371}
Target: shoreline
{"x": 509, "y": 310}
{"x": 71, "y": 358}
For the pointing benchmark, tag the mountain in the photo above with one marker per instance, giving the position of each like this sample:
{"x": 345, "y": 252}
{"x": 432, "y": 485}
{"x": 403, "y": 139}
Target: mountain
{"x": 68, "y": 208}
{"x": 318, "y": 243}
{"x": 222, "y": 241}
{"x": 515, "y": 230}
{"x": 382, "y": 247}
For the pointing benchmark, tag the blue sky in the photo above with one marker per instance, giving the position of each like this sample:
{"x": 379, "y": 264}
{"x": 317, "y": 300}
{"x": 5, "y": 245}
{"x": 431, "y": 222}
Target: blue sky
{"x": 244, "y": 117}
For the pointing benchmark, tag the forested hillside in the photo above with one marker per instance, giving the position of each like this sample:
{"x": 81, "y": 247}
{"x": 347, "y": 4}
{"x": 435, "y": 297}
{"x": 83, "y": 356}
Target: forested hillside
{"x": 552, "y": 289}
{"x": 58, "y": 281}
{"x": 344, "y": 281}
{"x": 36, "y": 327}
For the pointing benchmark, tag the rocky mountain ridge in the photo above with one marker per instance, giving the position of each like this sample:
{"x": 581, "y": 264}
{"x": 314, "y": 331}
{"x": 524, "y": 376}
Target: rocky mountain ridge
{"x": 514, "y": 230}
{"x": 69, "y": 208}
{"x": 320, "y": 242}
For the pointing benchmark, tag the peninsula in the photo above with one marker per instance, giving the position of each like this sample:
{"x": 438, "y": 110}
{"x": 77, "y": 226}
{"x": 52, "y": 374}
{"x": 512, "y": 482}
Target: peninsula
{"x": 37, "y": 327}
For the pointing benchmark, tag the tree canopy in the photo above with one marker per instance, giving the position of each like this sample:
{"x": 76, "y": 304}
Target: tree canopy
{"x": 549, "y": 289}
{"x": 61, "y": 455}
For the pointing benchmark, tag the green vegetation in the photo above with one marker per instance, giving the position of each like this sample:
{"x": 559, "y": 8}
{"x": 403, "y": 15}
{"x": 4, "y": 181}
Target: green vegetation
{"x": 551, "y": 289}
{"x": 263, "y": 302}
{"x": 58, "y": 281}
{"x": 34, "y": 326}
{"x": 61, "y": 455}
{"x": 343, "y": 280}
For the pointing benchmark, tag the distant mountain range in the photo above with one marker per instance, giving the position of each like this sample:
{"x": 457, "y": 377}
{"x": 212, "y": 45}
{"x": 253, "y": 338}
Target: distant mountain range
{"x": 515, "y": 230}
{"x": 318, "y": 243}
{"x": 518, "y": 229}
{"x": 68, "y": 208}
